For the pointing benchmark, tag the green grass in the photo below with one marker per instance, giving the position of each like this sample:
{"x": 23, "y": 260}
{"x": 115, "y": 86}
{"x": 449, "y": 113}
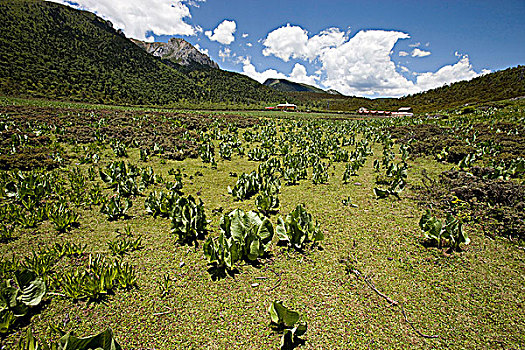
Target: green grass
{"x": 471, "y": 300}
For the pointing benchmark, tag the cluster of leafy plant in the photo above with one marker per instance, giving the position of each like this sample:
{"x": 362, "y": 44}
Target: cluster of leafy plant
{"x": 298, "y": 229}
{"x": 127, "y": 179}
{"x": 207, "y": 154}
{"x": 36, "y": 196}
{"x": 395, "y": 180}
{"x": 101, "y": 341}
{"x": 99, "y": 278}
{"x": 17, "y": 299}
{"x": 244, "y": 236}
{"x": 123, "y": 245}
{"x": 188, "y": 218}
{"x": 286, "y": 321}
{"x": 116, "y": 207}
{"x": 443, "y": 233}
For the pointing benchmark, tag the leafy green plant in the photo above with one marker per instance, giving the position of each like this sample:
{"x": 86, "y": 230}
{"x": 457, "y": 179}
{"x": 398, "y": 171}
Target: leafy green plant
{"x": 101, "y": 341}
{"x": 165, "y": 284}
{"x": 121, "y": 177}
{"x": 16, "y": 301}
{"x": 6, "y": 233}
{"x": 267, "y": 202}
{"x": 207, "y": 153}
{"x": 99, "y": 278}
{"x": 447, "y": 233}
{"x": 320, "y": 173}
{"x": 258, "y": 154}
{"x": 396, "y": 175}
{"x": 62, "y": 217}
{"x": 119, "y": 148}
{"x": 188, "y": 220}
{"x": 69, "y": 249}
{"x": 298, "y": 229}
{"x": 123, "y": 245}
{"x": 247, "y": 186}
{"x": 225, "y": 150}
{"x": 287, "y": 322}
{"x": 161, "y": 203}
{"x": 116, "y": 207}
{"x": 42, "y": 262}
{"x": 243, "y": 236}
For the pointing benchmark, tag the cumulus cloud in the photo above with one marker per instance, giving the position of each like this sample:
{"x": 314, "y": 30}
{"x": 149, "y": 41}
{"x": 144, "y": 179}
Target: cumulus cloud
{"x": 202, "y": 50}
{"x": 418, "y": 44}
{"x": 138, "y": 18}
{"x": 249, "y": 69}
{"x": 462, "y": 70}
{"x": 361, "y": 65}
{"x": 420, "y": 53}
{"x": 293, "y": 42}
{"x": 223, "y": 33}
{"x": 299, "y": 75}
{"x": 225, "y": 53}
{"x": 244, "y": 35}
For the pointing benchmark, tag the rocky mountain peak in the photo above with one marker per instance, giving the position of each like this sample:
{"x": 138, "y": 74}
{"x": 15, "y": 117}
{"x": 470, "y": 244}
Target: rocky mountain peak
{"x": 177, "y": 50}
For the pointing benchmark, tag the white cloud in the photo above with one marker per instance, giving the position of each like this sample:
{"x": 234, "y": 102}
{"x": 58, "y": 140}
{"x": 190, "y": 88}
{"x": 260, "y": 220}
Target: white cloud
{"x": 293, "y": 42}
{"x": 249, "y": 69}
{"x": 244, "y": 35}
{"x": 361, "y": 65}
{"x": 286, "y": 42}
{"x": 137, "y": 18}
{"x": 223, "y": 33}
{"x": 225, "y": 53}
{"x": 249, "y": 44}
{"x": 418, "y": 44}
{"x": 299, "y": 75}
{"x": 420, "y": 53}
{"x": 202, "y": 50}
{"x": 462, "y": 70}
{"x": 194, "y": 3}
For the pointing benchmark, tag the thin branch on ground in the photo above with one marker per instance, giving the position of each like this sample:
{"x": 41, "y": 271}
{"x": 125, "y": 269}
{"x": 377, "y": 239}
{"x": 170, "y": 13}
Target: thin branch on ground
{"x": 414, "y": 327}
{"x": 278, "y": 282}
{"x": 370, "y": 284}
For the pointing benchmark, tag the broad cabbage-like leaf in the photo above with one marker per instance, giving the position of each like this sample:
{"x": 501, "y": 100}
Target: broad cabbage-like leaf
{"x": 102, "y": 341}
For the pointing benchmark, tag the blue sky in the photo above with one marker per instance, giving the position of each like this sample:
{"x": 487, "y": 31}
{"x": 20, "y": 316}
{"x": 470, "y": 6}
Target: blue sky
{"x": 362, "y": 48}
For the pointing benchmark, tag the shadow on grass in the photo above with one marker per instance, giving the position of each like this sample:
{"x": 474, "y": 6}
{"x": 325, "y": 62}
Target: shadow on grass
{"x": 219, "y": 272}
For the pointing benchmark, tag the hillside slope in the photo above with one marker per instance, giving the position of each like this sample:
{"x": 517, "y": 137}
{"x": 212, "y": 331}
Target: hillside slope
{"x": 53, "y": 51}
{"x": 290, "y": 86}
{"x": 500, "y": 85}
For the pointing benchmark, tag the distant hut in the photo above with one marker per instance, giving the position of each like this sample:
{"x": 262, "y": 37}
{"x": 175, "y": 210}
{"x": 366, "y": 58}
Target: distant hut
{"x": 403, "y": 112}
{"x": 287, "y": 107}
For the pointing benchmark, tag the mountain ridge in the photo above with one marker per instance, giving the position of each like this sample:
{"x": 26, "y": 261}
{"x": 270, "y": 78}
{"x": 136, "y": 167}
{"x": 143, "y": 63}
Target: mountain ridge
{"x": 177, "y": 50}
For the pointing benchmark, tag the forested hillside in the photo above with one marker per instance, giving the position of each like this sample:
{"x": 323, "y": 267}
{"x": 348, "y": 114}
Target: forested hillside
{"x": 505, "y": 84}
{"x": 53, "y": 51}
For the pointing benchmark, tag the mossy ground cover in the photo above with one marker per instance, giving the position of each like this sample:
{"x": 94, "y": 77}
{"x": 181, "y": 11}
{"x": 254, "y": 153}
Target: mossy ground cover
{"x": 469, "y": 299}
